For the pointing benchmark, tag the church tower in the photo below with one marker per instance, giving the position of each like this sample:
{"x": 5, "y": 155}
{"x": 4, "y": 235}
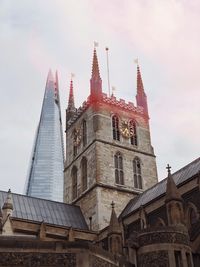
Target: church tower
{"x": 109, "y": 156}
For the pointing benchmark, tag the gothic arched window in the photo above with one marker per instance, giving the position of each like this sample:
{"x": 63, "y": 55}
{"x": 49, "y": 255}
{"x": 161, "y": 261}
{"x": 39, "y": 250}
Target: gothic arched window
{"x": 192, "y": 216}
{"x": 115, "y": 128}
{"x": 84, "y": 173}
{"x": 84, "y": 132}
{"x": 137, "y": 175}
{"x": 74, "y": 182}
{"x": 119, "y": 174}
{"x": 133, "y": 137}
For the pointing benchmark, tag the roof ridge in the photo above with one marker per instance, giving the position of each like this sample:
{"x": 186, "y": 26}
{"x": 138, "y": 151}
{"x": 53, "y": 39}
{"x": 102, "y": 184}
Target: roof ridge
{"x": 38, "y": 198}
{"x": 186, "y": 166}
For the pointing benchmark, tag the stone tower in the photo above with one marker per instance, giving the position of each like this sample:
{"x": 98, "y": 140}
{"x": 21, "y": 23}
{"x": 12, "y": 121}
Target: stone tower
{"x": 109, "y": 156}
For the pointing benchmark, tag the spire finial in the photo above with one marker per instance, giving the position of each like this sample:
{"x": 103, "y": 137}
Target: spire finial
{"x": 96, "y": 44}
{"x": 95, "y": 65}
{"x": 168, "y": 169}
{"x": 113, "y": 205}
{"x": 140, "y": 87}
{"x": 95, "y": 81}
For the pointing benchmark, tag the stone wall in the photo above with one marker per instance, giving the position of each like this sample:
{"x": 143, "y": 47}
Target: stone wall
{"x": 100, "y": 151}
{"x": 106, "y": 169}
{"x": 90, "y": 154}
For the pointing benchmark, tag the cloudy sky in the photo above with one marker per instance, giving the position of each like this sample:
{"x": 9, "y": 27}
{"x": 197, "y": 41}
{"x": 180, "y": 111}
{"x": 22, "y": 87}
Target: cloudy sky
{"x": 59, "y": 34}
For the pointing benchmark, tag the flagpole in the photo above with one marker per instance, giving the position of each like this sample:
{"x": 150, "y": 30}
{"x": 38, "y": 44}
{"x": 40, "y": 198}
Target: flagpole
{"x": 108, "y": 74}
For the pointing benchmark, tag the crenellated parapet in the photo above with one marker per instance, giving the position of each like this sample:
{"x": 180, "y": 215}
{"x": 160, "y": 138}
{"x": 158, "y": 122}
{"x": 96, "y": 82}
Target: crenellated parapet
{"x": 112, "y": 101}
{"x": 122, "y": 104}
{"x": 78, "y": 113}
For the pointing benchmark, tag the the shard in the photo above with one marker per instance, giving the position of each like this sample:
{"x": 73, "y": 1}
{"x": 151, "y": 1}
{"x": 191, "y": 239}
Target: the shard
{"x": 45, "y": 175}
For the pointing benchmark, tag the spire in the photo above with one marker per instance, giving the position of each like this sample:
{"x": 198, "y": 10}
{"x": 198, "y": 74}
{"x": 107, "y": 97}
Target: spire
{"x": 71, "y": 109}
{"x": 56, "y": 88}
{"x": 71, "y": 106}
{"x": 95, "y": 81}
{"x": 56, "y": 82}
{"x": 140, "y": 87}
{"x": 141, "y": 97}
{"x": 172, "y": 192}
{"x": 8, "y": 204}
{"x": 95, "y": 66}
{"x": 114, "y": 226}
{"x": 50, "y": 77}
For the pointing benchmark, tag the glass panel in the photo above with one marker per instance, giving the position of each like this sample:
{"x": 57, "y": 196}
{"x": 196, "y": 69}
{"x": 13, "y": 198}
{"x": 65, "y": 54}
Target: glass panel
{"x": 120, "y": 163}
{"x": 116, "y": 177}
{"x": 116, "y": 161}
{"x": 134, "y": 166}
{"x": 121, "y": 177}
{"x": 45, "y": 176}
{"x": 139, "y": 181}
{"x": 135, "y": 181}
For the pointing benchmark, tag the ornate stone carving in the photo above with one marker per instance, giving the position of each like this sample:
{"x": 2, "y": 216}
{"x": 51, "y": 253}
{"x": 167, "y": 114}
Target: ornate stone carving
{"x": 154, "y": 259}
{"x": 162, "y": 237}
{"x": 37, "y": 259}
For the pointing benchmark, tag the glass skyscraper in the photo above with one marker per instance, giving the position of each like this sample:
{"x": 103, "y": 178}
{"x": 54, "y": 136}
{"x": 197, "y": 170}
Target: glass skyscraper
{"x": 45, "y": 175}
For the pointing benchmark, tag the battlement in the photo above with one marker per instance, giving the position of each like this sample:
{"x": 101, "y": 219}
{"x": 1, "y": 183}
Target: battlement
{"x": 111, "y": 100}
{"x": 122, "y": 104}
{"x": 79, "y": 112}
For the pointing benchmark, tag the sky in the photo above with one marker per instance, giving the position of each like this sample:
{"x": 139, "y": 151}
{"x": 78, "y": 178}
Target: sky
{"x": 59, "y": 34}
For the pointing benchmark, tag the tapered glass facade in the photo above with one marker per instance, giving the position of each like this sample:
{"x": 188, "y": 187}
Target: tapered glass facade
{"x": 45, "y": 175}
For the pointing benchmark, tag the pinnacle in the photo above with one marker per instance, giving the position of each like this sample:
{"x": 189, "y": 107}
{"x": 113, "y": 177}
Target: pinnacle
{"x": 114, "y": 224}
{"x": 56, "y": 75}
{"x": 50, "y": 77}
{"x": 71, "y": 105}
{"x": 172, "y": 192}
{"x": 95, "y": 66}
{"x": 140, "y": 87}
{"x": 8, "y": 204}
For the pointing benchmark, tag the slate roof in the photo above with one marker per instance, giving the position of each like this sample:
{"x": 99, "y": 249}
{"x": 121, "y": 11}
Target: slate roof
{"x": 159, "y": 189}
{"x": 51, "y": 212}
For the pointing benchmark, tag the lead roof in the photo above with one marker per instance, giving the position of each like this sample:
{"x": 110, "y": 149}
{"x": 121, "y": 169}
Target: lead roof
{"x": 47, "y": 211}
{"x": 180, "y": 177}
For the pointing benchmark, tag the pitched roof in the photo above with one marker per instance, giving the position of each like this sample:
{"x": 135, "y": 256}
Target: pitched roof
{"x": 51, "y": 212}
{"x": 159, "y": 189}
